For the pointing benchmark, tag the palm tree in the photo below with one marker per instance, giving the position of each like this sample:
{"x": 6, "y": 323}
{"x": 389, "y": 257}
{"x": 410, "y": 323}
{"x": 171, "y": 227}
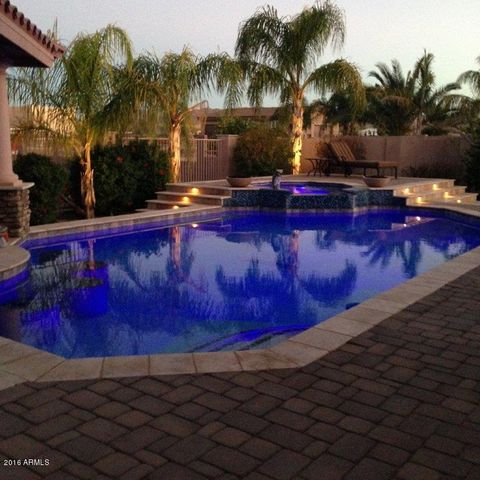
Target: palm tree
{"x": 407, "y": 103}
{"x": 279, "y": 55}
{"x": 472, "y": 79}
{"x": 340, "y": 109}
{"x": 165, "y": 91}
{"x": 469, "y": 106}
{"x": 390, "y": 103}
{"x": 434, "y": 106}
{"x": 75, "y": 100}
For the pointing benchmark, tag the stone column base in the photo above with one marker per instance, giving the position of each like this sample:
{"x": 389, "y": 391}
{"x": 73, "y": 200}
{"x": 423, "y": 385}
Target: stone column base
{"x": 15, "y": 209}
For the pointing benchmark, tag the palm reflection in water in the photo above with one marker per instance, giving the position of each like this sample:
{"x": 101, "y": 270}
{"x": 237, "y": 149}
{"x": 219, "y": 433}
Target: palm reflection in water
{"x": 236, "y": 282}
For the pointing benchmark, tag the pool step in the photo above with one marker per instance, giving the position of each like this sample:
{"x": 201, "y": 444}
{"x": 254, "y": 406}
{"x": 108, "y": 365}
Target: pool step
{"x": 198, "y": 190}
{"x": 435, "y": 192}
{"x": 467, "y": 198}
{"x": 424, "y": 187}
{"x": 165, "y": 204}
{"x": 190, "y": 198}
{"x": 445, "y": 195}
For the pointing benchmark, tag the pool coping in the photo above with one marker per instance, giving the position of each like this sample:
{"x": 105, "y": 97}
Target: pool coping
{"x": 20, "y": 362}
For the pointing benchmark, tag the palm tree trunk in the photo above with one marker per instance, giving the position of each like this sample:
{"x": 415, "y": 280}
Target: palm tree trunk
{"x": 88, "y": 192}
{"x": 174, "y": 152}
{"x": 296, "y": 135}
{"x": 418, "y": 124}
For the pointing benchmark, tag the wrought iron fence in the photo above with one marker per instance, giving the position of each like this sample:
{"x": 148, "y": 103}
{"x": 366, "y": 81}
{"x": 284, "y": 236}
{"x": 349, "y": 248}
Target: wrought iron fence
{"x": 206, "y": 160}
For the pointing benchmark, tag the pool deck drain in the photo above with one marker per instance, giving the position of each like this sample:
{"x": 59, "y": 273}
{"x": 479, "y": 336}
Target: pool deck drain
{"x": 398, "y": 401}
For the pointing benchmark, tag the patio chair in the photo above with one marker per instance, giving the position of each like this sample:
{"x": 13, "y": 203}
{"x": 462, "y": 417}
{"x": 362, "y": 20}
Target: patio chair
{"x": 345, "y": 158}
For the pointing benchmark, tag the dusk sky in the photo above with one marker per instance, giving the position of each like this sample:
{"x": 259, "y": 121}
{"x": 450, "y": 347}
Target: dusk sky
{"x": 377, "y": 30}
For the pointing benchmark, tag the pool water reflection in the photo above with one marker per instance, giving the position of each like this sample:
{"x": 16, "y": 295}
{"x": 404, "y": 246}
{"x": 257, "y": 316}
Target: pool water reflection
{"x": 243, "y": 280}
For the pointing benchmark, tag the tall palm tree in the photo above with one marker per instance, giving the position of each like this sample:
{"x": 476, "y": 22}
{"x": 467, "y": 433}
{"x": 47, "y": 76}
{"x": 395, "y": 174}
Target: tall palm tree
{"x": 279, "y": 55}
{"x": 75, "y": 99}
{"x": 166, "y": 90}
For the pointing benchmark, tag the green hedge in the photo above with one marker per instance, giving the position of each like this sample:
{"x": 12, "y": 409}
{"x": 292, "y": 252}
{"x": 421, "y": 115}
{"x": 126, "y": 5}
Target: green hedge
{"x": 234, "y": 125}
{"x": 124, "y": 176}
{"x": 472, "y": 165}
{"x": 260, "y": 151}
{"x": 50, "y": 181}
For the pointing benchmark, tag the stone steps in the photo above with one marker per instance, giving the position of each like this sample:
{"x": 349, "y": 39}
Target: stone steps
{"x": 466, "y": 199}
{"x": 189, "y": 198}
{"x": 180, "y": 195}
{"x": 165, "y": 204}
{"x": 424, "y": 187}
{"x": 434, "y": 192}
{"x": 199, "y": 189}
{"x": 438, "y": 194}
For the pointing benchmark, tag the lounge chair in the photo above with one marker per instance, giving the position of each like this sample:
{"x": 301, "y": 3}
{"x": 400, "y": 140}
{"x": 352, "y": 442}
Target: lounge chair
{"x": 346, "y": 159}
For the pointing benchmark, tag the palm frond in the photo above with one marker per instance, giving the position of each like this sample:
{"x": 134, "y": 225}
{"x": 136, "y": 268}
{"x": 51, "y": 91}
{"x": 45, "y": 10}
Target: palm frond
{"x": 259, "y": 37}
{"x": 339, "y": 76}
{"x": 472, "y": 79}
{"x": 310, "y": 33}
{"x": 265, "y": 80}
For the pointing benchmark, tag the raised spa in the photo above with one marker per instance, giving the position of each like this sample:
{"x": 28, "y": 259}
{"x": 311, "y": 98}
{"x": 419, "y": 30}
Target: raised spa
{"x": 312, "y": 188}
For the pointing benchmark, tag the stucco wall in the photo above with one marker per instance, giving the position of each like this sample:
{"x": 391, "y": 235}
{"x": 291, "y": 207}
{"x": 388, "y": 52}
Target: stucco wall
{"x": 408, "y": 151}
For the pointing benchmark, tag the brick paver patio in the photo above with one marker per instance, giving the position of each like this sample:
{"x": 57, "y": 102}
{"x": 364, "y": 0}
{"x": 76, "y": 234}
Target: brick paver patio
{"x": 400, "y": 401}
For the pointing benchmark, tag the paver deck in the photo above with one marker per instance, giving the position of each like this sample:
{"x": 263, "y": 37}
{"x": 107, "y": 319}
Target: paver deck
{"x": 400, "y": 401}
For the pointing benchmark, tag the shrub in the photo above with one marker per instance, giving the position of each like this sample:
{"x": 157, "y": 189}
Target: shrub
{"x": 260, "y": 151}
{"x": 50, "y": 180}
{"x": 234, "y": 125}
{"x": 472, "y": 166}
{"x": 124, "y": 176}
{"x": 435, "y": 170}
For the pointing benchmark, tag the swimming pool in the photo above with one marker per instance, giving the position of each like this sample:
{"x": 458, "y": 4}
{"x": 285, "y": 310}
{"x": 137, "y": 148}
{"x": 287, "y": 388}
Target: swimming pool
{"x": 241, "y": 280}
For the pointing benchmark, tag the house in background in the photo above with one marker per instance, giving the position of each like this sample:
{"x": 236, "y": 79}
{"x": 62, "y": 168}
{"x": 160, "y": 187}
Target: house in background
{"x": 213, "y": 116}
{"x": 207, "y": 120}
{"x": 319, "y": 127}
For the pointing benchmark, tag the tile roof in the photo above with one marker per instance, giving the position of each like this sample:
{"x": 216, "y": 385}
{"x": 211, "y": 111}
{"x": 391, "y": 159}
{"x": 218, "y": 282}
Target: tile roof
{"x": 14, "y": 15}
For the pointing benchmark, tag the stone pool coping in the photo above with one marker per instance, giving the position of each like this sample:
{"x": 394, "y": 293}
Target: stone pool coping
{"x": 13, "y": 260}
{"x": 20, "y": 363}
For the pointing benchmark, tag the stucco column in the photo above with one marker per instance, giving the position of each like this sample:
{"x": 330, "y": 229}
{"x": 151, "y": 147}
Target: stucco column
{"x": 7, "y": 177}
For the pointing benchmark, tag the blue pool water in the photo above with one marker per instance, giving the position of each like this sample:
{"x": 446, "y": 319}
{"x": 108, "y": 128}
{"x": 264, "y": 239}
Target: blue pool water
{"x": 242, "y": 280}
{"x": 307, "y": 188}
